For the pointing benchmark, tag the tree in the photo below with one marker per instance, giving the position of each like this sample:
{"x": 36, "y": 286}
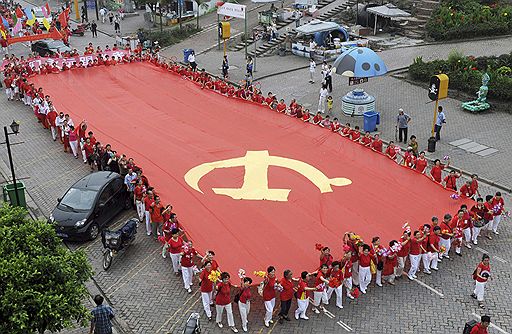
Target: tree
{"x": 41, "y": 281}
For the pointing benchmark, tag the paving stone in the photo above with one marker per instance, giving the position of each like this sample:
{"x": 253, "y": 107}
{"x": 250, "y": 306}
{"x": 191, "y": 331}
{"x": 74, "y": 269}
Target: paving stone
{"x": 477, "y": 148}
{"x": 487, "y": 152}
{"x": 460, "y": 142}
{"x": 469, "y": 145}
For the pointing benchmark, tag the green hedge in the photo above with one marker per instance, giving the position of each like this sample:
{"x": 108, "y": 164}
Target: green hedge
{"x": 456, "y": 19}
{"x": 170, "y": 36}
{"x": 465, "y": 73}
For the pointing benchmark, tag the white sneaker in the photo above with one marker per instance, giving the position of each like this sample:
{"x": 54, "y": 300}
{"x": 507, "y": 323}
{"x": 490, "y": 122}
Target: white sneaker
{"x": 339, "y": 306}
{"x": 297, "y": 316}
{"x": 189, "y": 290}
{"x": 350, "y": 296}
{"x": 363, "y": 291}
{"x": 414, "y": 276}
{"x": 163, "y": 255}
{"x": 410, "y": 277}
{"x": 447, "y": 256}
{"x": 468, "y": 246}
{"x": 496, "y": 232}
{"x": 379, "y": 284}
{"x": 234, "y": 329}
{"x": 244, "y": 328}
{"x": 305, "y": 318}
{"x": 316, "y": 310}
{"x": 267, "y": 324}
{"x": 220, "y": 325}
{"x": 475, "y": 242}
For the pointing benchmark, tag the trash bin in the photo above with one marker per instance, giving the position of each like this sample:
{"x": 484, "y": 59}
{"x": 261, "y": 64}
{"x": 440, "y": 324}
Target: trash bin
{"x": 9, "y": 190}
{"x": 186, "y": 53}
{"x": 370, "y": 121}
{"x": 431, "y": 144}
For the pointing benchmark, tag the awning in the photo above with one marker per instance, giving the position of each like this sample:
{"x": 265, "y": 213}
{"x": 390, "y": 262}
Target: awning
{"x": 316, "y": 26}
{"x": 388, "y": 10}
{"x": 265, "y": 1}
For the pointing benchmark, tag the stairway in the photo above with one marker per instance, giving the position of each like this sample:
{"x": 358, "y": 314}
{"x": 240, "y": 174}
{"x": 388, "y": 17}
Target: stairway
{"x": 417, "y": 24}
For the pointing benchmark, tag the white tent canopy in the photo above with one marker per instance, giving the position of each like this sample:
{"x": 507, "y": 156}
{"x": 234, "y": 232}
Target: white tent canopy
{"x": 388, "y": 10}
{"x": 316, "y": 26}
{"x": 265, "y": 1}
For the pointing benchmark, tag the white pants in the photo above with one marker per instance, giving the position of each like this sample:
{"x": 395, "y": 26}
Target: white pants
{"x": 399, "y": 270}
{"x": 148, "y": 222}
{"x": 447, "y": 244}
{"x": 229, "y": 310}
{"x": 434, "y": 259}
{"x": 479, "y": 290}
{"x": 244, "y": 309}
{"x": 187, "y": 273}
{"x": 206, "y": 298}
{"x": 495, "y": 223}
{"x": 54, "y": 132}
{"x": 140, "y": 209}
{"x": 339, "y": 295}
{"x": 311, "y": 76}
{"x": 476, "y": 233}
{"x": 355, "y": 273}
{"x": 425, "y": 258}
{"x": 302, "y": 307}
{"x": 458, "y": 248}
{"x": 415, "y": 263}
{"x": 269, "y": 309}
{"x": 348, "y": 284}
{"x": 467, "y": 235}
{"x": 320, "y": 297}
{"x": 378, "y": 277}
{"x": 365, "y": 277}
{"x": 175, "y": 259}
{"x": 321, "y": 104}
{"x": 74, "y": 147}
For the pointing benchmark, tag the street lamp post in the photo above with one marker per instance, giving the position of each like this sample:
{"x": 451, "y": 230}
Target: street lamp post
{"x": 15, "y": 127}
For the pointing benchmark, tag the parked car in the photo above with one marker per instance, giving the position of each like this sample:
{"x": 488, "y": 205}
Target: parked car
{"x": 48, "y": 47}
{"x": 89, "y": 205}
{"x": 40, "y": 16}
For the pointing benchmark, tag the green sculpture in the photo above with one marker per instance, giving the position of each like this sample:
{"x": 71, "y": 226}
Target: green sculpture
{"x": 480, "y": 104}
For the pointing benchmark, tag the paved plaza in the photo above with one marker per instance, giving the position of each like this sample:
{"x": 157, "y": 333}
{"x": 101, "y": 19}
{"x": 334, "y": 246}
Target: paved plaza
{"x": 148, "y": 299}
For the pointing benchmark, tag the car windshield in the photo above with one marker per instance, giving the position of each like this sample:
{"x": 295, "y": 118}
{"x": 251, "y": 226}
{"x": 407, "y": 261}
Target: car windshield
{"x": 56, "y": 45}
{"x": 79, "y": 199}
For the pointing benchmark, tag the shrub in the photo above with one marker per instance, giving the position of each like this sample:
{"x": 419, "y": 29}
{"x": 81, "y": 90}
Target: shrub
{"x": 170, "y": 36}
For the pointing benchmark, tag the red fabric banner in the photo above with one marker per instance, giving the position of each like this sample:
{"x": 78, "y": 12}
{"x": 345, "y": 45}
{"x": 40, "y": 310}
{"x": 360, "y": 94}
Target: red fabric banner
{"x": 30, "y": 38}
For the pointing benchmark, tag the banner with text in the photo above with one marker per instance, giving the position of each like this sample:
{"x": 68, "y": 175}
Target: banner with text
{"x": 232, "y": 9}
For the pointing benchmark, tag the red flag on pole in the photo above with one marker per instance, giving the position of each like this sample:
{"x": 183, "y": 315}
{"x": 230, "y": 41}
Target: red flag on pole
{"x": 63, "y": 19}
{"x": 19, "y": 12}
{"x": 48, "y": 9}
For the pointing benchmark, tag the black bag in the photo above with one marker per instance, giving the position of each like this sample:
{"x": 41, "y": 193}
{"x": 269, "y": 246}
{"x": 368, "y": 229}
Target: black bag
{"x": 469, "y": 326}
{"x": 237, "y": 296}
{"x": 380, "y": 265}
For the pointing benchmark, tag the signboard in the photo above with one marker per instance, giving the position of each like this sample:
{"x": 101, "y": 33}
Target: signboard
{"x": 438, "y": 88}
{"x": 232, "y": 9}
{"x": 356, "y": 81}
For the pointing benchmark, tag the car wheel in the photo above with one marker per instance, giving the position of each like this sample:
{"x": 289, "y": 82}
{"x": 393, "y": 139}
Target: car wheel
{"x": 128, "y": 203}
{"x": 93, "y": 231}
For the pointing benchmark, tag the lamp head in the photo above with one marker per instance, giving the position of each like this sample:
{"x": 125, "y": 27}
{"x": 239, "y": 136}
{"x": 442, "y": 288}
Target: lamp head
{"x": 15, "y": 127}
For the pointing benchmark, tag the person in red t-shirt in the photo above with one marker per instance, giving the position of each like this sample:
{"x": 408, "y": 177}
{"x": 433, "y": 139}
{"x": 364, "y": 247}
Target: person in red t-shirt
{"x": 355, "y": 134}
{"x": 415, "y": 253}
{"x": 302, "y": 295}
{"x": 89, "y": 151}
{"x": 175, "y": 248}
{"x": 50, "y": 118}
{"x": 474, "y": 185}
{"x": 209, "y": 256}
{"x": 498, "y": 206}
{"x": 138, "y": 195}
{"x": 403, "y": 253}
{"x": 281, "y": 107}
{"x": 156, "y": 210}
{"x": 437, "y": 170}
{"x": 446, "y": 236}
{"x": 466, "y": 191}
{"x": 346, "y": 268}
{"x": 457, "y": 224}
{"x": 376, "y": 144}
{"x": 390, "y": 264}
{"x": 223, "y": 301}
{"x": 481, "y": 275}
{"x": 489, "y": 216}
{"x": 425, "y": 256}
{"x": 481, "y": 327}
{"x": 450, "y": 180}
{"x": 269, "y": 294}
{"x": 365, "y": 275}
{"x": 306, "y": 116}
{"x": 148, "y": 201}
{"x": 318, "y": 118}
{"x": 286, "y": 295}
{"x": 391, "y": 151}
{"x": 336, "y": 283}
{"x": 244, "y": 303}
{"x": 349, "y": 239}
{"x": 376, "y": 252}
{"x": 345, "y": 132}
{"x": 188, "y": 253}
{"x": 206, "y": 287}
{"x": 335, "y": 125}
{"x": 433, "y": 247}
{"x": 367, "y": 139}
{"x": 477, "y": 212}
{"x": 320, "y": 293}
{"x": 326, "y": 257}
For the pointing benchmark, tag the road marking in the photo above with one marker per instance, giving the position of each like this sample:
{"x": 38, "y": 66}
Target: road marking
{"x": 481, "y": 250}
{"x": 271, "y": 329}
{"x": 428, "y": 287}
{"x": 497, "y": 258}
{"x": 329, "y": 314}
{"x": 499, "y": 329}
{"x": 176, "y": 312}
{"x": 177, "y": 321}
{"x": 344, "y": 326}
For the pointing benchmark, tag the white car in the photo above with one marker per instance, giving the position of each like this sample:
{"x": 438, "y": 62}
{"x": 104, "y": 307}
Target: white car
{"x": 39, "y": 16}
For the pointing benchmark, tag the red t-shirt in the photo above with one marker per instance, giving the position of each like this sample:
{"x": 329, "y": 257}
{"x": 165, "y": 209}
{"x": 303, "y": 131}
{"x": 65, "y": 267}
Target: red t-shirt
{"x": 484, "y": 269}
{"x": 245, "y": 295}
{"x": 451, "y": 181}
{"x": 301, "y": 290}
{"x": 287, "y": 292}
{"x": 415, "y": 246}
{"x": 138, "y": 192}
{"x": 488, "y": 207}
{"x": 389, "y": 265}
{"x": 404, "y": 251}
{"x": 317, "y": 119}
{"x": 391, "y": 152}
{"x": 436, "y": 172}
{"x": 175, "y": 246}
{"x": 448, "y": 229}
{"x": 466, "y": 191}
{"x": 479, "y": 329}
{"x": 364, "y": 260}
{"x": 281, "y": 107}
{"x": 348, "y": 269}
{"x": 338, "y": 274}
{"x": 366, "y": 140}
{"x": 498, "y": 204}
{"x": 377, "y": 145}
{"x": 269, "y": 291}
{"x": 474, "y": 186}
{"x": 326, "y": 260}
{"x": 433, "y": 240}
{"x": 223, "y": 294}
{"x": 187, "y": 259}
{"x": 206, "y": 284}
{"x": 319, "y": 284}
{"x": 147, "y": 203}
{"x": 355, "y": 134}
{"x": 156, "y": 213}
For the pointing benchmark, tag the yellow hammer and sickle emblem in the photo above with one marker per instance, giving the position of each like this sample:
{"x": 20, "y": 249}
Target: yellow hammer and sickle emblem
{"x": 255, "y": 186}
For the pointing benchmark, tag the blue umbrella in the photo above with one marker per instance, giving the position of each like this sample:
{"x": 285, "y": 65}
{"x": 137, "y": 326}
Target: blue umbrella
{"x": 361, "y": 63}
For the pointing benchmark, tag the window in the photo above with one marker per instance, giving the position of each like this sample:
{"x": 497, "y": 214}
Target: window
{"x": 79, "y": 199}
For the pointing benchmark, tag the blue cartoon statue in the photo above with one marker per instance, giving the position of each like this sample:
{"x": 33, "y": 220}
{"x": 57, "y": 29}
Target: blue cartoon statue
{"x": 480, "y": 104}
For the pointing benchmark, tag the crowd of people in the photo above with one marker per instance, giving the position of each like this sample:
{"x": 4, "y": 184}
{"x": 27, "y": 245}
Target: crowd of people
{"x": 419, "y": 247}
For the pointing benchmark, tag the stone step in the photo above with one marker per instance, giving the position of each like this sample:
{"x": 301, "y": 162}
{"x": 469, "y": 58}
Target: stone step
{"x": 423, "y": 17}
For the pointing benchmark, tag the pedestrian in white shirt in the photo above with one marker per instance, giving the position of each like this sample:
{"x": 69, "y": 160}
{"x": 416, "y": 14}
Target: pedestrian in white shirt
{"x": 441, "y": 119}
{"x": 322, "y": 97}
{"x": 312, "y": 67}
{"x": 192, "y": 60}
{"x": 59, "y": 122}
